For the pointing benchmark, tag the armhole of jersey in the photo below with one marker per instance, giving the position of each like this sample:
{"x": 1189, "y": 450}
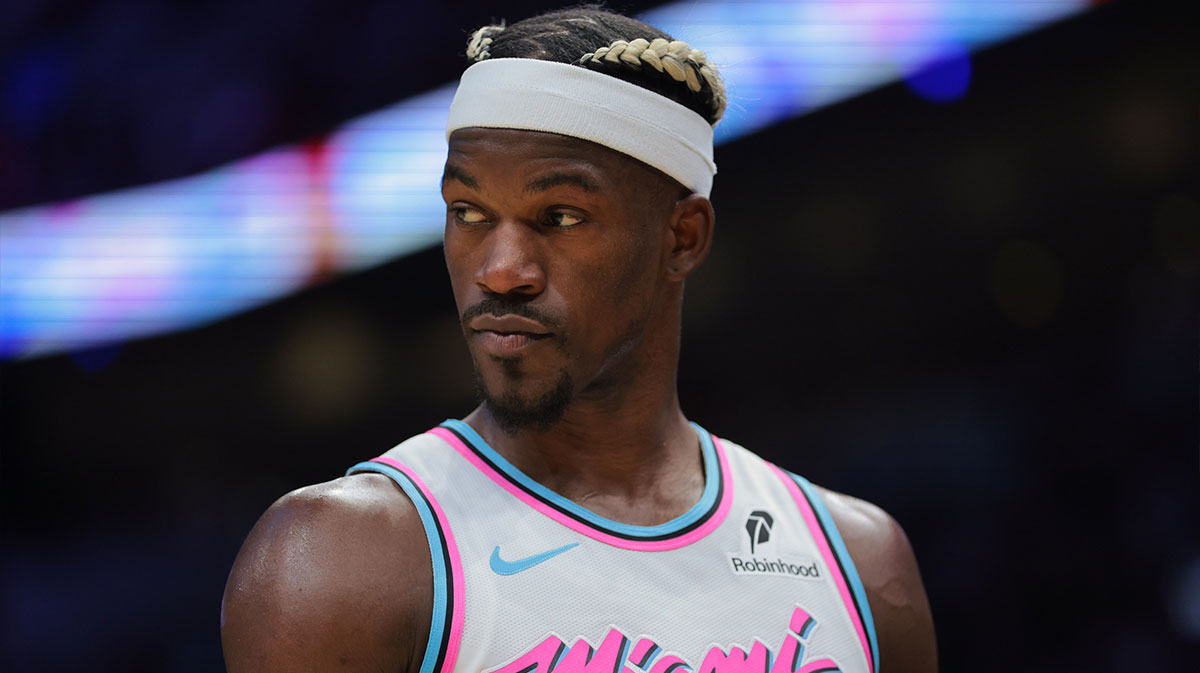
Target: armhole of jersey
{"x": 842, "y": 556}
{"x": 445, "y": 625}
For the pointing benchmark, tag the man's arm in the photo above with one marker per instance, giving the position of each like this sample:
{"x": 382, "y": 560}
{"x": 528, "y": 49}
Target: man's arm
{"x": 888, "y": 570}
{"x": 335, "y": 576}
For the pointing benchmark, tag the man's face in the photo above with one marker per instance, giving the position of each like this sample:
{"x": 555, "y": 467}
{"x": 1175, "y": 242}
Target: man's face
{"x": 556, "y": 250}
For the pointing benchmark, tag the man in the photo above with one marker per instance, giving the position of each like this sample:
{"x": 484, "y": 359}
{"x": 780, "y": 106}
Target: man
{"x": 576, "y": 521}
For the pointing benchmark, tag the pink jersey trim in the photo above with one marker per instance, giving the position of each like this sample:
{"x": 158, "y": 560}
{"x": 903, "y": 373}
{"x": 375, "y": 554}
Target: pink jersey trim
{"x": 635, "y": 545}
{"x": 456, "y": 571}
{"x": 814, "y": 527}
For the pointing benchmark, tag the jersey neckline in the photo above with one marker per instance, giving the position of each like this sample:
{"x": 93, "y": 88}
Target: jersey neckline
{"x": 698, "y": 521}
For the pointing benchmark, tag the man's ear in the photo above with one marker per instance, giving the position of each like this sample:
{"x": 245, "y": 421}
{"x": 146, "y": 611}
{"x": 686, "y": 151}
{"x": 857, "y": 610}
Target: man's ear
{"x": 692, "y": 222}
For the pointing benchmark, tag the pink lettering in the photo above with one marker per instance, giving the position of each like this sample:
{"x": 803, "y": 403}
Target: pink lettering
{"x": 541, "y": 658}
{"x": 669, "y": 664}
{"x": 791, "y": 650}
{"x": 643, "y": 653}
{"x": 552, "y": 655}
{"x": 801, "y": 622}
{"x": 737, "y": 661}
{"x": 608, "y": 658}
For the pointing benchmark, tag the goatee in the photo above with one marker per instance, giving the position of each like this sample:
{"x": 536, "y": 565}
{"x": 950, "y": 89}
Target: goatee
{"x": 514, "y": 414}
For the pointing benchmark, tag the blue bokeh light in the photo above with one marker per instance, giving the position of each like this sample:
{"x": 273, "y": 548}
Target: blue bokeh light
{"x": 944, "y": 79}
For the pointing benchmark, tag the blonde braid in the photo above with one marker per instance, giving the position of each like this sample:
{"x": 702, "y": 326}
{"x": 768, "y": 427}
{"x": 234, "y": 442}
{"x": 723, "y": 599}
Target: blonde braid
{"x": 676, "y": 59}
{"x": 481, "y": 41}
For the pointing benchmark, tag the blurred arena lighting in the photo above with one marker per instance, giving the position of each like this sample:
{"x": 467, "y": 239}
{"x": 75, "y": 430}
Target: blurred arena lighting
{"x": 944, "y": 79}
{"x": 181, "y": 253}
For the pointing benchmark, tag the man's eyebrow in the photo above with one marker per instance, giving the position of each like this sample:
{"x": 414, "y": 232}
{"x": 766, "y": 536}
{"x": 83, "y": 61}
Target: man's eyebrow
{"x": 453, "y": 172}
{"x": 550, "y": 180}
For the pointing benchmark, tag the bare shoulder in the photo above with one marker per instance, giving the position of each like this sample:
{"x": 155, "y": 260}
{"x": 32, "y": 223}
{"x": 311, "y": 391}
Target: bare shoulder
{"x": 333, "y": 576}
{"x": 888, "y": 569}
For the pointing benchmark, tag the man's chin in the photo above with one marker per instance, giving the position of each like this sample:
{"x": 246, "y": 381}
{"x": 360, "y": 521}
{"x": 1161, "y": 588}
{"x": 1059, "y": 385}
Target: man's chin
{"x": 518, "y": 410}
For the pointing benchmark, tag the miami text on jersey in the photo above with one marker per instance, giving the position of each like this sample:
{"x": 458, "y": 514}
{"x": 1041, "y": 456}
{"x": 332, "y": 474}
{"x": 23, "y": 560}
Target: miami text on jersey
{"x": 553, "y": 656}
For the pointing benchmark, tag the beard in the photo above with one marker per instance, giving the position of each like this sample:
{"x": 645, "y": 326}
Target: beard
{"x": 514, "y": 413}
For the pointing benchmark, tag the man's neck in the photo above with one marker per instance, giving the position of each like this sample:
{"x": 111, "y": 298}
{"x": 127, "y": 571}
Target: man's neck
{"x": 639, "y": 464}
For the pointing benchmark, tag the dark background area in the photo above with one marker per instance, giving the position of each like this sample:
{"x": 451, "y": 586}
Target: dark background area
{"x": 980, "y": 315}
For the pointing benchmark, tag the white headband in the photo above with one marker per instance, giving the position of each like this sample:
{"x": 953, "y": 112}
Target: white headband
{"x": 534, "y": 95}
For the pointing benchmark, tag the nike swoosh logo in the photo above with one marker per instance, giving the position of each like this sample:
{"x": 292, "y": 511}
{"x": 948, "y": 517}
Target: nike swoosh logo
{"x": 502, "y": 567}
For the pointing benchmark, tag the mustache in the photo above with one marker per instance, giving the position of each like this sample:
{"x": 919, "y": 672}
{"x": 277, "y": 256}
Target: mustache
{"x": 502, "y": 305}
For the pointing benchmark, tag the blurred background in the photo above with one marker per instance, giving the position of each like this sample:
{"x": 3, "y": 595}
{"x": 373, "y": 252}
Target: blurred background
{"x": 962, "y": 286}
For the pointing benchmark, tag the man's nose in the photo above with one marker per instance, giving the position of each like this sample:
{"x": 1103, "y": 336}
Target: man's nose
{"x": 512, "y": 263}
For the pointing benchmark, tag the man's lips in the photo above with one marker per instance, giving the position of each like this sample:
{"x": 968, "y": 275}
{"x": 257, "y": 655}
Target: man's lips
{"x": 506, "y": 335}
{"x": 509, "y": 324}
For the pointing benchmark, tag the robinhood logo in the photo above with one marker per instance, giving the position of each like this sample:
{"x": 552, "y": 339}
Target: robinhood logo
{"x": 803, "y": 568}
{"x": 759, "y": 527}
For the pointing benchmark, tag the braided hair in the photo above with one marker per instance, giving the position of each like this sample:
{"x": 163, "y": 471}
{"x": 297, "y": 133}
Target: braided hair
{"x": 592, "y": 37}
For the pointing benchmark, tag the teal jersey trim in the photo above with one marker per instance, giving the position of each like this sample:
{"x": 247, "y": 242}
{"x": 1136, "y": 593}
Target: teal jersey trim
{"x": 712, "y": 486}
{"x": 439, "y": 624}
{"x": 843, "y": 555}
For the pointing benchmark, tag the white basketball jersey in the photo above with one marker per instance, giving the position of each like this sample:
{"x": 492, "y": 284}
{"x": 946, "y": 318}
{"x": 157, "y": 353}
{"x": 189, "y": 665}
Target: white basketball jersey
{"x": 753, "y": 579}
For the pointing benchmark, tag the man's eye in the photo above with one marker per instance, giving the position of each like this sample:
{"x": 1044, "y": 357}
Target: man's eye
{"x": 467, "y": 215}
{"x": 564, "y": 220}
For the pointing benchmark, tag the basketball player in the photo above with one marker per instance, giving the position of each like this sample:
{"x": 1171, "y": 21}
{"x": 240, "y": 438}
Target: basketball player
{"x": 576, "y": 522}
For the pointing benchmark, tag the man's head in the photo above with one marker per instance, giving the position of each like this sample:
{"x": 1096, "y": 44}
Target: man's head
{"x": 577, "y": 205}
{"x": 585, "y": 36}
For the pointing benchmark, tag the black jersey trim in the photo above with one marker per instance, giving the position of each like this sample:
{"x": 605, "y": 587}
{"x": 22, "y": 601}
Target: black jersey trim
{"x": 712, "y": 458}
{"x": 829, "y": 530}
{"x": 420, "y": 500}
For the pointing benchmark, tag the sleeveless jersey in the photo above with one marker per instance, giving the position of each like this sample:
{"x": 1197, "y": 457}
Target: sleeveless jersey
{"x": 753, "y": 579}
